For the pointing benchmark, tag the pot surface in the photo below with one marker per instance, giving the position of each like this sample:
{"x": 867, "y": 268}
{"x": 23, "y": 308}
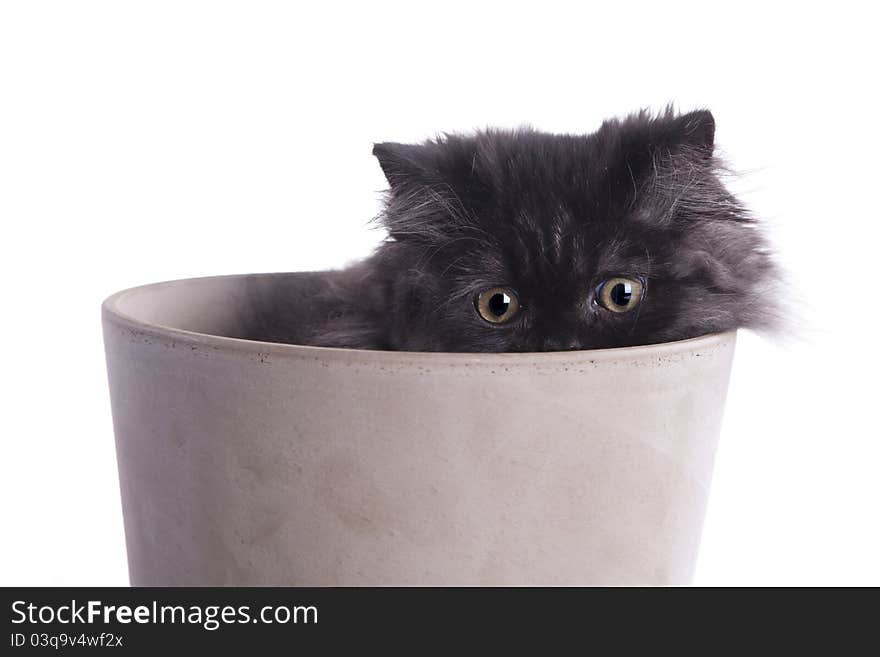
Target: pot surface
{"x": 252, "y": 463}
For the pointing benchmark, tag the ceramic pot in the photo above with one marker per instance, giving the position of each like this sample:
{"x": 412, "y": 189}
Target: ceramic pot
{"x": 252, "y": 463}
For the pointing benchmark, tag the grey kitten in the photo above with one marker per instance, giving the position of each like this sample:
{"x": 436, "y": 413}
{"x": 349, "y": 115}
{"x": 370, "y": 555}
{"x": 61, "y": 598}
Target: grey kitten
{"x": 527, "y": 241}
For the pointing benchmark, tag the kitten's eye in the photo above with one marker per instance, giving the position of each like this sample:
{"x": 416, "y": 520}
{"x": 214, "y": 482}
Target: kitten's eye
{"x": 620, "y": 295}
{"x": 497, "y": 304}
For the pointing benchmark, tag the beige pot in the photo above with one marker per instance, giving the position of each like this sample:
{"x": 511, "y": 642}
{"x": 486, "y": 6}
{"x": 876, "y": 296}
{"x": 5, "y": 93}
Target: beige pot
{"x": 249, "y": 463}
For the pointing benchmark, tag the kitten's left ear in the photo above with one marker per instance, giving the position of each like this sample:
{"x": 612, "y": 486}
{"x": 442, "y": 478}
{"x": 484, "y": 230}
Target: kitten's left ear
{"x": 697, "y": 129}
{"x": 402, "y": 163}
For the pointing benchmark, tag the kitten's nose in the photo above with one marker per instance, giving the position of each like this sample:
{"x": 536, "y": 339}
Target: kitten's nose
{"x": 561, "y": 344}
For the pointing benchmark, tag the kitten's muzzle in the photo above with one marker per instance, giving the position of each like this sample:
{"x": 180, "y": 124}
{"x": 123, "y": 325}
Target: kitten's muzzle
{"x": 556, "y": 344}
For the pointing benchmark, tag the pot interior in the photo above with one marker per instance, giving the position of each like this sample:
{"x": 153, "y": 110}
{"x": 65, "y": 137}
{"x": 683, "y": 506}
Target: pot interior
{"x": 238, "y": 307}
{"x": 224, "y": 306}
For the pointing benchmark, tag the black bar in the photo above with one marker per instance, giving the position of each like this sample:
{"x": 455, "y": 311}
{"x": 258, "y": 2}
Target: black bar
{"x": 333, "y": 618}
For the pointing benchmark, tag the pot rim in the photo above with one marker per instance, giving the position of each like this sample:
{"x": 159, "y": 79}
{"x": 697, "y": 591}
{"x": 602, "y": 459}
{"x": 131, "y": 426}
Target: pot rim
{"x": 112, "y": 314}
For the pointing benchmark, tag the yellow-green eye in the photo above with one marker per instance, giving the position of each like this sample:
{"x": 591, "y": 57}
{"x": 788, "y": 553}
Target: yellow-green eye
{"x": 620, "y": 295}
{"x": 497, "y": 304}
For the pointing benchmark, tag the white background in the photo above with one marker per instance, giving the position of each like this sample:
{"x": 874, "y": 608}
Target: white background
{"x": 158, "y": 140}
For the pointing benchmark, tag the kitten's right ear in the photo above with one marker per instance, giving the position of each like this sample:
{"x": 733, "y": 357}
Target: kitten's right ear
{"x": 697, "y": 128}
{"x": 402, "y": 163}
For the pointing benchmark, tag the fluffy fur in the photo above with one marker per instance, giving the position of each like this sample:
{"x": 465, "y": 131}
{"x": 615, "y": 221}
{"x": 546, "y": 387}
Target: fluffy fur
{"x": 551, "y": 216}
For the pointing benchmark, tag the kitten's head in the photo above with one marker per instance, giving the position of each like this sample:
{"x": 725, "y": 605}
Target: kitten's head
{"x": 527, "y": 241}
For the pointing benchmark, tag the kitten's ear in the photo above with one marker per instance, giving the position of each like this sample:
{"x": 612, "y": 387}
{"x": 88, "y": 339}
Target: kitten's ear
{"x": 696, "y": 129}
{"x": 402, "y": 163}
